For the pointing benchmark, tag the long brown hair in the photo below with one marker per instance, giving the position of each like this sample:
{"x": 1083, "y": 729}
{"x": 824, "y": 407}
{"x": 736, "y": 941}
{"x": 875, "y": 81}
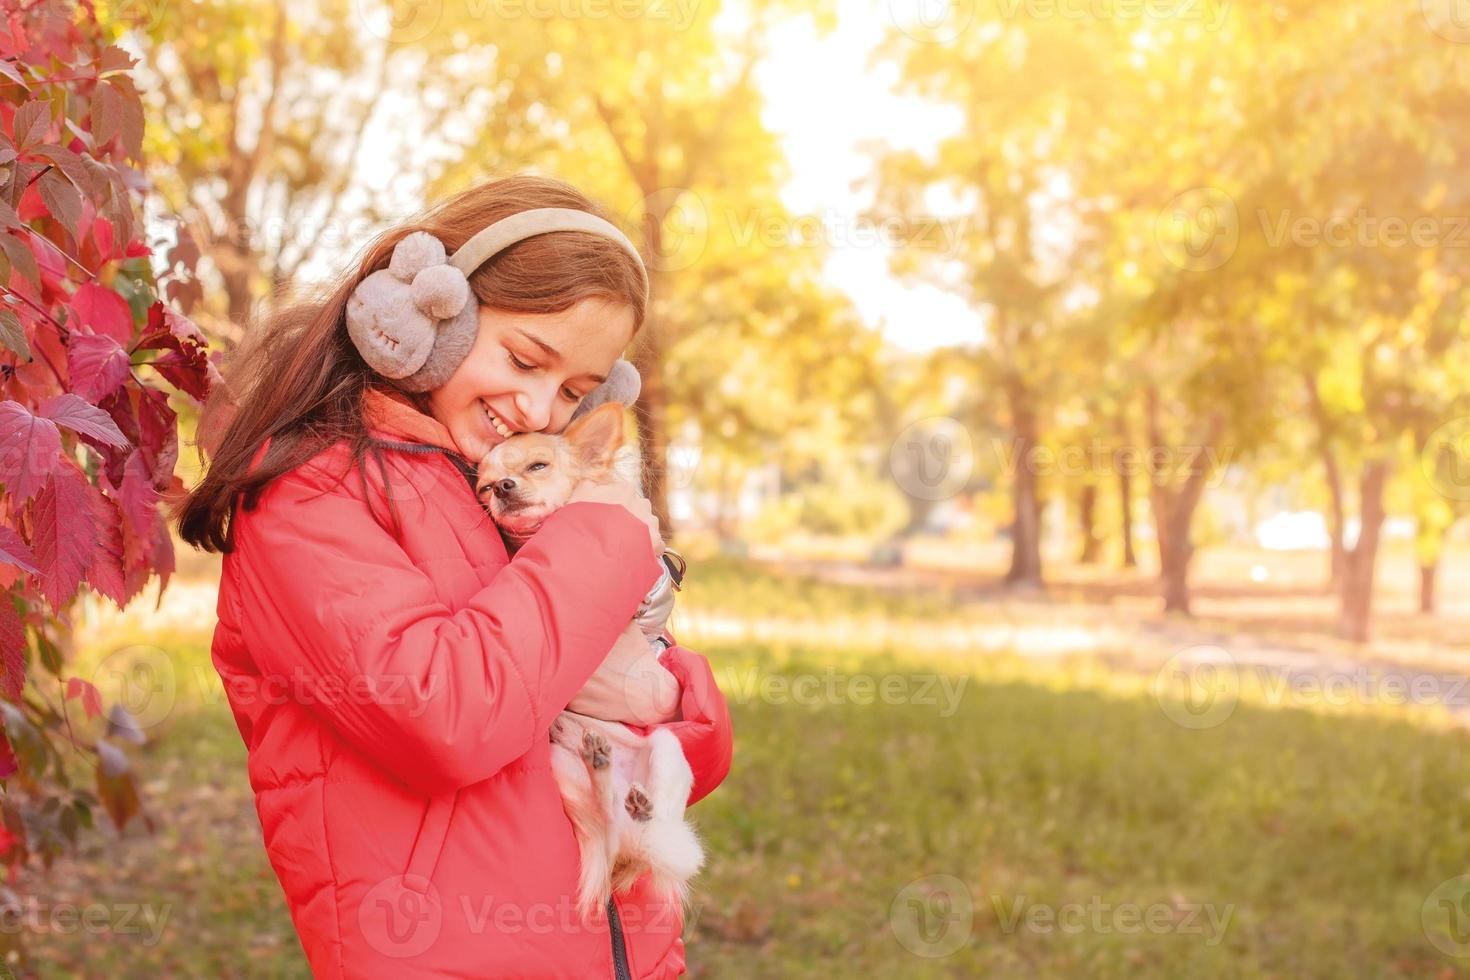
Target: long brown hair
{"x": 298, "y": 381}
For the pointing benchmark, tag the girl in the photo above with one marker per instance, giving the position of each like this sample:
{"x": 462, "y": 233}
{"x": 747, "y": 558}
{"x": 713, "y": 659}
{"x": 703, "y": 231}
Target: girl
{"x": 393, "y": 675}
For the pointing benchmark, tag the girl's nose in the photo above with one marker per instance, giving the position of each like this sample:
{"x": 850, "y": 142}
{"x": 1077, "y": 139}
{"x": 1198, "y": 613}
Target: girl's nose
{"x": 535, "y": 409}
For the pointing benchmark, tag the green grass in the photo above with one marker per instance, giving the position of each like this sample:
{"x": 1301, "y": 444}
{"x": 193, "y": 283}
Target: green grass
{"x": 1321, "y": 834}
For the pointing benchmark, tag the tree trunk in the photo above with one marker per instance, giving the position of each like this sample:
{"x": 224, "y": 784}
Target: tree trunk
{"x": 1432, "y": 523}
{"x": 1125, "y": 493}
{"x": 1087, "y": 514}
{"x": 1333, "y": 478}
{"x": 1025, "y": 567}
{"x": 723, "y": 519}
{"x": 652, "y": 404}
{"x": 1124, "y": 461}
{"x": 652, "y": 415}
{"x": 1175, "y": 548}
{"x": 1339, "y": 521}
{"x": 1174, "y": 509}
{"x": 1357, "y": 580}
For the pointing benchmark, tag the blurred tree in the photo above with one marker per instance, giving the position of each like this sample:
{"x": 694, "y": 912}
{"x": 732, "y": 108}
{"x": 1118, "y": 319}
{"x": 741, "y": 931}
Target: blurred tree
{"x": 660, "y": 117}
{"x": 1002, "y": 185}
{"x": 1364, "y": 244}
{"x": 276, "y": 125}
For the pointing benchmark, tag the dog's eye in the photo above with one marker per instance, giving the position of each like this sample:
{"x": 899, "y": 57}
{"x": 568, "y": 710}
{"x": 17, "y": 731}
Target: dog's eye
{"x": 535, "y": 466}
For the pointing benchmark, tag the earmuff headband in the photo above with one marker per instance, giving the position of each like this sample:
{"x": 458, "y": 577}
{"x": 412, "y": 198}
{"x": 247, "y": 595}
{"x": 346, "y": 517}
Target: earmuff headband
{"x": 523, "y": 224}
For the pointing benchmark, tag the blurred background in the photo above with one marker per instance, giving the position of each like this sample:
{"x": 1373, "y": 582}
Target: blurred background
{"x": 1063, "y": 405}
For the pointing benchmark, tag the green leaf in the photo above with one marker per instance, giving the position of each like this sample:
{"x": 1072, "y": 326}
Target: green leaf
{"x": 137, "y": 292}
{"x": 48, "y": 653}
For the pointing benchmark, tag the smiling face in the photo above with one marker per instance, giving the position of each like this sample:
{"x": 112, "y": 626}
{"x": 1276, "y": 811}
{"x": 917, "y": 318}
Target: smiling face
{"x": 528, "y": 371}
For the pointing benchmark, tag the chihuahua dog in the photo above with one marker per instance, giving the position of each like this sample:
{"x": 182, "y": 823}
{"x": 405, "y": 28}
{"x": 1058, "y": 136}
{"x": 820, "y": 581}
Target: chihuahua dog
{"x": 624, "y": 793}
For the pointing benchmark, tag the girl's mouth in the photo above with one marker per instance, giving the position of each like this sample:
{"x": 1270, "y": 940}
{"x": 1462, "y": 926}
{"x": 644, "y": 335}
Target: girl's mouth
{"x": 494, "y": 422}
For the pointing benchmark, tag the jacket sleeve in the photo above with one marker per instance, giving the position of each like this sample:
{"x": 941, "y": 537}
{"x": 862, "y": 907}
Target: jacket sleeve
{"x": 438, "y": 697}
{"x": 703, "y": 721}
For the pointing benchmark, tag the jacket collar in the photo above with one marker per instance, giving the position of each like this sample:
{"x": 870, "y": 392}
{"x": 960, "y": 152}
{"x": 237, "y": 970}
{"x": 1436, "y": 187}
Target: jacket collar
{"x": 391, "y": 415}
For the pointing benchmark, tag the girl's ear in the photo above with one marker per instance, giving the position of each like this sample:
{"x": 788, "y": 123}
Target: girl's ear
{"x": 597, "y": 436}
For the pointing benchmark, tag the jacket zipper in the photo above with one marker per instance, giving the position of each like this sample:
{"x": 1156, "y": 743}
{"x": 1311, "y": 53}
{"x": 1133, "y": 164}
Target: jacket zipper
{"x": 619, "y": 944}
{"x": 465, "y": 469}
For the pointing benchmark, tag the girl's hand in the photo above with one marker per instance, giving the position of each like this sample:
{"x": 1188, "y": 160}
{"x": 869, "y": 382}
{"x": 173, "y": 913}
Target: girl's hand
{"x": 625, "y": 493}
{"x": 630, "y": 684}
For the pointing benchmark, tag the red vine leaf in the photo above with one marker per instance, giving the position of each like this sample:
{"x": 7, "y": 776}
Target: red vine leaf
{"x": 162, "y": 557}
{"x": 186, "y": 365}
{"x": 15, "y": 551}
{"x": 132, "y": 116}
{"x": 158, "y": 435}
{"x": 102, "y": 309}
{"x": 97, "y": 365}
{"x": 64, "y": 535}
{"x": 12, "y": 651}
{"x": 8, "y": 765}
{"x": 79, "y": 416}
{"x": 114, "y": 58}
{"x": 105, "y": 573}
{"x": 102, "y": 236}
{"x": 138, "y": 496}
{"x": 30, "y": 449}
{"x": 87, "y": 693}
{"x": 62, "y": 199}
{"x": 107, "y": 114}
{"x": 30, "y": 124}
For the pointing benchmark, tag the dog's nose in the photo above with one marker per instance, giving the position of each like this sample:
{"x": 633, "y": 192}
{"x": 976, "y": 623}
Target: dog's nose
{"x": 504, "y": 487}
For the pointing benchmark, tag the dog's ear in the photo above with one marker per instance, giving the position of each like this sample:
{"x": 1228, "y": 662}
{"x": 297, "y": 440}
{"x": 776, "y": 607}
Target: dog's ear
{"x": 597, "y": 436}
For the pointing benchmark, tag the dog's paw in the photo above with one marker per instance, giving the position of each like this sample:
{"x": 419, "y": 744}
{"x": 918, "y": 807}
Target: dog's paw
{"x": 596, "y": 750}
{"x": 638, "y": 805}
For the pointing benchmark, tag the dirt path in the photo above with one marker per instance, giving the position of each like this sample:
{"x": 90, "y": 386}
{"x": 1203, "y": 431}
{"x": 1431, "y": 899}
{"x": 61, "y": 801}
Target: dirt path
{"x": 1038, "y": 627}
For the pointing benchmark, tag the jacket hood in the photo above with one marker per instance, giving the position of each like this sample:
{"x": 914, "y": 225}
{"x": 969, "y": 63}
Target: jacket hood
{"x": 391, "y": 415}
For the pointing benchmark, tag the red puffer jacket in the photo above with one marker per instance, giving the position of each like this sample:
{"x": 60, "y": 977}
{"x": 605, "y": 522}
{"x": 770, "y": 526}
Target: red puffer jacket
{"x": 395, "y": 685}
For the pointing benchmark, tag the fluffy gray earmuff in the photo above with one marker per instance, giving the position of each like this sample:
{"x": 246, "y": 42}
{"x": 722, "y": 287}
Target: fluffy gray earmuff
{"x": 416, "y": 320}
{"x": 622, "y": 385}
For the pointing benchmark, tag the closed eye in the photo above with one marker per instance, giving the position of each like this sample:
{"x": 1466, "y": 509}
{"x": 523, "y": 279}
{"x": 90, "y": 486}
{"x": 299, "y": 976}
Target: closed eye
{"x": 521, "y": 365}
